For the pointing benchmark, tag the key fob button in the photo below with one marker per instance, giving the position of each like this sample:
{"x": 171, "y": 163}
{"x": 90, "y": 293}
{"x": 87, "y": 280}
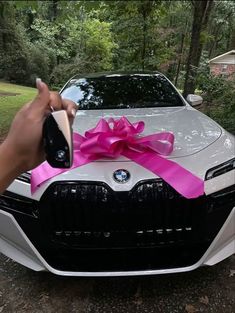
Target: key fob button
{"x": 60, "y": 156}
{"x": 57, "y": 139}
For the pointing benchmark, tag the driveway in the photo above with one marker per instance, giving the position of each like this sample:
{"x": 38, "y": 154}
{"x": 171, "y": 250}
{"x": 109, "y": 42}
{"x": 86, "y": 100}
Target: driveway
{"x": 210, "y": 289}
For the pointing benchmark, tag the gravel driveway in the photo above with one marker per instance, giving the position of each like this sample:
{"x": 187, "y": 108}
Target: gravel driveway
{"x": 210, "y": 289}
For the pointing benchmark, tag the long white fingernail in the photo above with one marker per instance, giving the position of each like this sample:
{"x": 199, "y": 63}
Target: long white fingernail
{"x": 38, "y": 82}
{"x": 73, "y": 112}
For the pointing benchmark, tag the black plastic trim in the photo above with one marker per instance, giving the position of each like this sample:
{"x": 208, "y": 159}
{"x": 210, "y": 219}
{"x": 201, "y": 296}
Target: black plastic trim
{"x": 153, "y": 251}
{"x": 218, "y": 167}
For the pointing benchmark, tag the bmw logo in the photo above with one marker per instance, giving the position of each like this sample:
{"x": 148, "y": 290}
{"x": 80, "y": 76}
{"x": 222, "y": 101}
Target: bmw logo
{"x": 121, "y": 176}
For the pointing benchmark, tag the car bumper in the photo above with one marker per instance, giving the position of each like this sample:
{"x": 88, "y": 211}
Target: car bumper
{"x": 16, "y": 245}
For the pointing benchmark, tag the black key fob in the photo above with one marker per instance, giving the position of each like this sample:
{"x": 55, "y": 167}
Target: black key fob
{"x": 57, "y": 139}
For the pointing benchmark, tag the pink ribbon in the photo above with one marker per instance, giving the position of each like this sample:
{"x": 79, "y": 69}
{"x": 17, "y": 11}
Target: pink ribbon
{"x": 114, "y": 138}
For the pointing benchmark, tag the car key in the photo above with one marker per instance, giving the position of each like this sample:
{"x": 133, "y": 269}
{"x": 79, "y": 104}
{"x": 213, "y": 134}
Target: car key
{"x": 57, "y": 140}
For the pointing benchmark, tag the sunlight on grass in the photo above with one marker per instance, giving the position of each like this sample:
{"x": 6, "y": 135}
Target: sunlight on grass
{"x": 9, "y": 105}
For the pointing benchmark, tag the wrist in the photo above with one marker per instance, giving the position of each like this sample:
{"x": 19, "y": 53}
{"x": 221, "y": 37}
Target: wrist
{"x": 11, "y": 163}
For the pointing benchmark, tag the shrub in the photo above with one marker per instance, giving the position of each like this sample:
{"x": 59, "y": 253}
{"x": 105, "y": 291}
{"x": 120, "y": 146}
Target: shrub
{"x": 14, "y": 62}
{"x": 219, "y": 97}
{"x": 38, "y": 64}
{"x": 61, "y": 74}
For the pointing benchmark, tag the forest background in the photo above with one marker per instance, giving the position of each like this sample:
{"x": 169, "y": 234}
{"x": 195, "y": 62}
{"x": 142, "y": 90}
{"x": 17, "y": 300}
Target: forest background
{"x": 55, "y": 39}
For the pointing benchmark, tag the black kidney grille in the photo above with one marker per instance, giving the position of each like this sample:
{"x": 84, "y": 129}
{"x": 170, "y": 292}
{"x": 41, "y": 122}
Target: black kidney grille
{"x": 88, "y": 215}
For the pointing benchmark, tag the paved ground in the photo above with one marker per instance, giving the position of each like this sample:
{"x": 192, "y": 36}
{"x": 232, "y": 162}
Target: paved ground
{"x": 204, "y": 290}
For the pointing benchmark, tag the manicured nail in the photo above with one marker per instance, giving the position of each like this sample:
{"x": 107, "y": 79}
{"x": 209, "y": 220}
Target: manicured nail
{"x": 73, "y": 112}
{"x": 38, "y": 82}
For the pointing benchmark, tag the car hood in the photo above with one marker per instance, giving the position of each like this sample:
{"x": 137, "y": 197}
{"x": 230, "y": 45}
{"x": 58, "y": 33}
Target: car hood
{"x": 193, "y": 130}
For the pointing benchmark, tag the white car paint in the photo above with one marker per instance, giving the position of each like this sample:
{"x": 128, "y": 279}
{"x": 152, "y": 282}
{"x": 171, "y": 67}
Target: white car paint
{"x": 200, "y": 144}
{"x": 204, "y": 153}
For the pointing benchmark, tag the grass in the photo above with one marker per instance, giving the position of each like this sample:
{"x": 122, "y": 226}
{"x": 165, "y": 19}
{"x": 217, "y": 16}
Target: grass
{"x": 9, "y": 105}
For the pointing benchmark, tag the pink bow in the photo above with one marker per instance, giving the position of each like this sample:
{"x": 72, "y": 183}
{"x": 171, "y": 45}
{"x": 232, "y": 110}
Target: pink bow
{"x": 120, "y": 137}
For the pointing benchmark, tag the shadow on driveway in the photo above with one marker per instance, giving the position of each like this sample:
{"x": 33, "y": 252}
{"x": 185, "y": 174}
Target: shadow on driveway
{"x": 208, "y": 289}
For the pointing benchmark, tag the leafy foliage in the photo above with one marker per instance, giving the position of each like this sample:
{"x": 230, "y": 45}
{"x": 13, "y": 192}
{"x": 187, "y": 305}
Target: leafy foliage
{"x": 57, "y": 39}
{"x": 219, "y": 97}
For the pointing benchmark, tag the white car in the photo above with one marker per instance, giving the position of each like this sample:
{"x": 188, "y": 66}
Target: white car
{"x": 113, "y": 217}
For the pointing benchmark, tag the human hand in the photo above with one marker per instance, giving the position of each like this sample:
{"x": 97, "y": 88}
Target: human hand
{"x": 23, "y": 144}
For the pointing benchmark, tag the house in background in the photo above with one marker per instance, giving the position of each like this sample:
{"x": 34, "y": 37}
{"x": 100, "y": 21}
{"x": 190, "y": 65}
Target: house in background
{"x": 223, "y": 64}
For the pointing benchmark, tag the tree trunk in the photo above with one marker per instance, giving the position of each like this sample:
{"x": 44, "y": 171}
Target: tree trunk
{"x": 54, "y": 9}
{"x": 229, "y": 37}
{"x": 180, "y": 54}
{"x": 6, "y": 19}
{"x": 145, "y": 9}
{"x": 232, "y": 40}
{"x": 144, "y": 40}
{"x": 201, "y": 15}
{"x": 2, "y": 26}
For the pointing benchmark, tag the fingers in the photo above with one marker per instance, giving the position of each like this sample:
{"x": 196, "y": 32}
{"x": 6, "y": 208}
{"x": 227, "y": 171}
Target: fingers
{"x": 70, "y": 108}
{"x": 46, "y": 101}
{"x": 42, "y": 99}
{"x": 55, "y": 101}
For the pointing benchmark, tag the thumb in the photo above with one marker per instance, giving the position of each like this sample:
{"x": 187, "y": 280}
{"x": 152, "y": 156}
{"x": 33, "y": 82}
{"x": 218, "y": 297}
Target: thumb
{"x": 42, "y": 99}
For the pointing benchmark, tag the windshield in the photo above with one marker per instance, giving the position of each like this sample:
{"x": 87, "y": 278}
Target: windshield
{"x": 122, "y": 91}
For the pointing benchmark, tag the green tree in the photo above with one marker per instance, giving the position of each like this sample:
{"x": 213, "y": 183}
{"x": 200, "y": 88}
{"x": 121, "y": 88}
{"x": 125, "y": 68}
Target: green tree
{"x": 221, "y": 28}
{"x": 135, "y": 29}
{"x": 13, "y": 53}
{"x": 202, "y": 10}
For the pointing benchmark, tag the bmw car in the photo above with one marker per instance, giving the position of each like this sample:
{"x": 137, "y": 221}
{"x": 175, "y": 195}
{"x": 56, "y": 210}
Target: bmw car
{"x": 113, "y": 217}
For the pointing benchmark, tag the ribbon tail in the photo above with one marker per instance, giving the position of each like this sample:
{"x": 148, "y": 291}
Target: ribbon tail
{"x": 183, "y": 181}
{"x": 41, "y": 174}
{"x": 44, "y": 172}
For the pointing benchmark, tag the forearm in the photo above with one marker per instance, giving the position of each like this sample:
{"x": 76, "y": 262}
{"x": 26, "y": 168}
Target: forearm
{"x": 23, "y": 149}
{"x": 9, "y": 166}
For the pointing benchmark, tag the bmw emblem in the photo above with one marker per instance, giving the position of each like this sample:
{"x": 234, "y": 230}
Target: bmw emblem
{"x": 121, "y": 176}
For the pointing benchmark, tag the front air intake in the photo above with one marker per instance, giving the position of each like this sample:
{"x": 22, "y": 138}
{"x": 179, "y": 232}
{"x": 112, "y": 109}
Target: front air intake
{"x": 89, "y": 215}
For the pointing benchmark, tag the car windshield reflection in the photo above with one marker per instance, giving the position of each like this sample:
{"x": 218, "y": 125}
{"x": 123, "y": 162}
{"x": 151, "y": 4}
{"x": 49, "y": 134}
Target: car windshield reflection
{"x": 122, "y": 92}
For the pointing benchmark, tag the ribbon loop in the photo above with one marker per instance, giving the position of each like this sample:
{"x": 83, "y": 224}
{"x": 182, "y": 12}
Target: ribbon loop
{"x": 114, "y": 138}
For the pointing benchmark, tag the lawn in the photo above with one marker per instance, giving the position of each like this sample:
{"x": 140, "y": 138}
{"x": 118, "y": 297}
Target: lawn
{"x": 12, "y": 97}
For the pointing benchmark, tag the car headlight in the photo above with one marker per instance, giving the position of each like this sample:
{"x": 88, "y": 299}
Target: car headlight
{"x": 220, "y": 169}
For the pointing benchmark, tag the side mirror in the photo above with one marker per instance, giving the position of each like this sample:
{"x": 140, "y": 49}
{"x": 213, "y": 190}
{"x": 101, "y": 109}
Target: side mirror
{"x": 194, "y": 100}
